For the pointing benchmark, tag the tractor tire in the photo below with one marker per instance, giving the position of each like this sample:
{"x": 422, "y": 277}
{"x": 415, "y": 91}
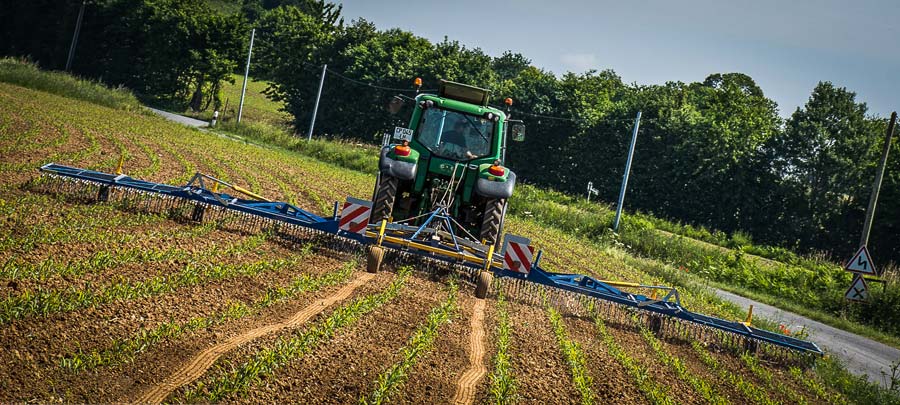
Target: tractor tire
{"x": 483, "y": 284}
{"x": 492, "y": 221}
{"x": 374, "y": 257}
{"x": 385, "y": 196}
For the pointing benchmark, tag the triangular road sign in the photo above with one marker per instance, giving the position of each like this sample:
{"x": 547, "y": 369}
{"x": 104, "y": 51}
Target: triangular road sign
{"x": 861, "y": 263}
{"x": 858, "y": 290}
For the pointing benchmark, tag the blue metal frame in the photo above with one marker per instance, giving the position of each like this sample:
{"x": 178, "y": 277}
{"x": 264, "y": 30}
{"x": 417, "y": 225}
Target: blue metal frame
{"x": 577, "y": 283}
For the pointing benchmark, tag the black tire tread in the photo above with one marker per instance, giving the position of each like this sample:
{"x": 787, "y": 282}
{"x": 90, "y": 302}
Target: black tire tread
{"x": 385, "y": 197}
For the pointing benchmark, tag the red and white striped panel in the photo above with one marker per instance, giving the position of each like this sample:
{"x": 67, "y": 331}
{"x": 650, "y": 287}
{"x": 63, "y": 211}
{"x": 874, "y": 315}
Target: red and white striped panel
{"x": 355, "y": 215}
{"x": 517, "y": 254}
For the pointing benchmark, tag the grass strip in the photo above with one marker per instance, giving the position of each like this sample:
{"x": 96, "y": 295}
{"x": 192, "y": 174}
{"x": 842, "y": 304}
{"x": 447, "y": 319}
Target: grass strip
{"x": 286, "y": 349}
{"x": 503, "y": 384}
{"x": 125, "y": 350}
{"x": 574, "y": 356}
{"x": 700, "y": 385}
{"x": 750, "y": 390}
{"x": 390, "y": 380}
{"x": 652, "y": 390}
{"x": 42, "y": 302}
{"x": 765, "y": 375}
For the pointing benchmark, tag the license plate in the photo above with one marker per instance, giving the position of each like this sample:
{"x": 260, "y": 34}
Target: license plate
{"x": 403, "y": 134}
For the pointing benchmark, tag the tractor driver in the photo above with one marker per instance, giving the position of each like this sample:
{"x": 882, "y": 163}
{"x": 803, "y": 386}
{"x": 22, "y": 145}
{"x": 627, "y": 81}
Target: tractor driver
{"x": 454, "y": 143}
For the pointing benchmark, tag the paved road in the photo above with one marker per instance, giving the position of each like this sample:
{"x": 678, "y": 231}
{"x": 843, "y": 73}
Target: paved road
{"x": 180, "y": 119}
{"x": 861, "y": 355}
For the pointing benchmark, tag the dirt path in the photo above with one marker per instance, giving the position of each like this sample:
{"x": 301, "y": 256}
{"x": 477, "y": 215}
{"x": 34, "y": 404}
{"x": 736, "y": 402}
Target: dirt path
{"x": 197, "y": 366}
{"x": 468, "y": 383}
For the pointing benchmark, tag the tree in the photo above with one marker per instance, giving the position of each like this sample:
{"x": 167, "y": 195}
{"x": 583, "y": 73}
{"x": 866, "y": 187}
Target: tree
{"x": 826, "y": 156}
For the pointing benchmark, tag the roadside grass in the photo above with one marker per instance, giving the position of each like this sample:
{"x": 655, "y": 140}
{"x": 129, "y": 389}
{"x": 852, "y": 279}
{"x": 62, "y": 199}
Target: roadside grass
{"x": 27, "y": 74}
{"x": 287, "y": 349}
{"x": 258, "y": 108}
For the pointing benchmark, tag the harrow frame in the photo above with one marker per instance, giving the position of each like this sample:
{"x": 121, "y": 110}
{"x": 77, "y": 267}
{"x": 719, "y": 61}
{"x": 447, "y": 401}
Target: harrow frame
{"x": 435, "y": 245}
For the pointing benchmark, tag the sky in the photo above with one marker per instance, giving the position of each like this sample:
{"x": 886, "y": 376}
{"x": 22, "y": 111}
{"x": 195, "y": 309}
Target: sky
{"x": 786, "y": 46}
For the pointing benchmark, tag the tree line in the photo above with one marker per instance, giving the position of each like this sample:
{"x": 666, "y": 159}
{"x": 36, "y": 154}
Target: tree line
{"x": 713, "y": 153}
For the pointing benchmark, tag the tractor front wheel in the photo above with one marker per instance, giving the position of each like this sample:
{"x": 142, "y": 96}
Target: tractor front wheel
{"x": 385, "y": 196}
{"x": 492, "y": 221}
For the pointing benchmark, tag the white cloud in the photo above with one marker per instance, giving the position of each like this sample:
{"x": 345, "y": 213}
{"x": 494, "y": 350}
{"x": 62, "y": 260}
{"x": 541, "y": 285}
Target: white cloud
{"x": 579, "y": 62}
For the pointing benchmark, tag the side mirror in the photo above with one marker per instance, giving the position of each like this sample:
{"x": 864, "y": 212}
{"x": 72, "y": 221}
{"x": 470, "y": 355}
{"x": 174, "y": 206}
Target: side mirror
{"x": 394, "y": 105}
{"x": 518, "y": 131}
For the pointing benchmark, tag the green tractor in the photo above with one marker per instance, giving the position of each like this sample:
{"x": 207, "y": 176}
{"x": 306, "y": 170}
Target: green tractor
{"x": 451, "y": 156}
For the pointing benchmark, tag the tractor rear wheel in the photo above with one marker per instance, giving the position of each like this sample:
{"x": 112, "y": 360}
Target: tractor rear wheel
{"x": 483, "y": 284}
{"x": 492, "y": 221}
{"x": 385, "y": 196}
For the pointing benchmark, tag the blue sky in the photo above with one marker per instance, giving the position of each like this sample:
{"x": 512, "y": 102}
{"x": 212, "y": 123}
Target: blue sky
{"x": 786, "y": 46}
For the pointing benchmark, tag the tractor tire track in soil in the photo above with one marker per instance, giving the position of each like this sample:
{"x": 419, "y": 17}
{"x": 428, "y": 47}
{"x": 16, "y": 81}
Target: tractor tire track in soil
{"x": 198, "y": 365}
{"x": 465, "y": 392}
{"x": 342, "y": 370}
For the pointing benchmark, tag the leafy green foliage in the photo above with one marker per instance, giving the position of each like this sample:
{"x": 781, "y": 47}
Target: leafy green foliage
{"x": 503, "y": 384}
{"x": 27, "y": 74}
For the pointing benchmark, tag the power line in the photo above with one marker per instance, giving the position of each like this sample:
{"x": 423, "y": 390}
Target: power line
{"x": 361, "y": 83}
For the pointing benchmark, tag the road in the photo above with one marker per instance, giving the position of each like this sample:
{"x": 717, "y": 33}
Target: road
{"x": 180, "y": 119}
{"x": 861, "y": 355}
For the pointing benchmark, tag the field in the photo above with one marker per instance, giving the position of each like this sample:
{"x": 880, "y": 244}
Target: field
{"x": 102, "y": 304}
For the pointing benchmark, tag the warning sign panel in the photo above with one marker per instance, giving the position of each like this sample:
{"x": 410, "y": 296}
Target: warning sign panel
{"x": 861, "y": 263}
{"x": 858, "y": 290}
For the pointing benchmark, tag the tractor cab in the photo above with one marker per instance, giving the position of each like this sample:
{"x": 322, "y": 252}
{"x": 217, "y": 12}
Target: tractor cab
{"x": 451, "y": 154}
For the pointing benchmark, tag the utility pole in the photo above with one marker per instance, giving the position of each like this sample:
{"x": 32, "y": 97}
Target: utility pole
{"x": 637, "y": 124}
{"x": 876, "y": 187}
{"x": 312, "y": 123}
{"x": 246, "y": 75}
{"x": 75, "y": 36}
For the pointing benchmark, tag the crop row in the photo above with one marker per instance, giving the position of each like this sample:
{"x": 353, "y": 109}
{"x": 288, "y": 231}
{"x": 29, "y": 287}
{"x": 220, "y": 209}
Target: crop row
{"x": 42, "y": 302}
{"x": 503, "y": 384}
{"x": 16, "y": 269}
{"x": 390, "y": 380}
{"x": 773, "y": 384}
{"x": 125, "y": 350}
{"x": 748, "y": 388}
{"x": 700, "y": 385}
{"x": 652, "y": 389}
{"x": 574, "y": 357}
{"x": 267, "y": 361}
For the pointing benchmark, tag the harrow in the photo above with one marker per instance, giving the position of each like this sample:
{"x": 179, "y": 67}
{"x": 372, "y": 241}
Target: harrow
{"x": 433, "y": 245}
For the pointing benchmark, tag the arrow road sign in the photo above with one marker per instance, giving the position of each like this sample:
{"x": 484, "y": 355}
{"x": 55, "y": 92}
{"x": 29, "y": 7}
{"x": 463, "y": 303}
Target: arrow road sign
{"x": 861, "y": 263}
{"x": 858, "y": 290}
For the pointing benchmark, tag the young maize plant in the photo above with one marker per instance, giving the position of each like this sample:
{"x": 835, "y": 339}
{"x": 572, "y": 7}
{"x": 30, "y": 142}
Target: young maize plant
{"x": 43, "y": 302}
{"x": 773, "y": 384}
{"x": 574, "y": 356}
{"x": 750, "y": 390}
{"x": 814, "y": 385}
{"x": 700, "y": 385}
{"x": 389, "y": 381}
{"x": 124, "y": 351}
{"x": 655, "y": 392}
{"x": 286, "y": 349}
{"x": 503, "y": 384}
